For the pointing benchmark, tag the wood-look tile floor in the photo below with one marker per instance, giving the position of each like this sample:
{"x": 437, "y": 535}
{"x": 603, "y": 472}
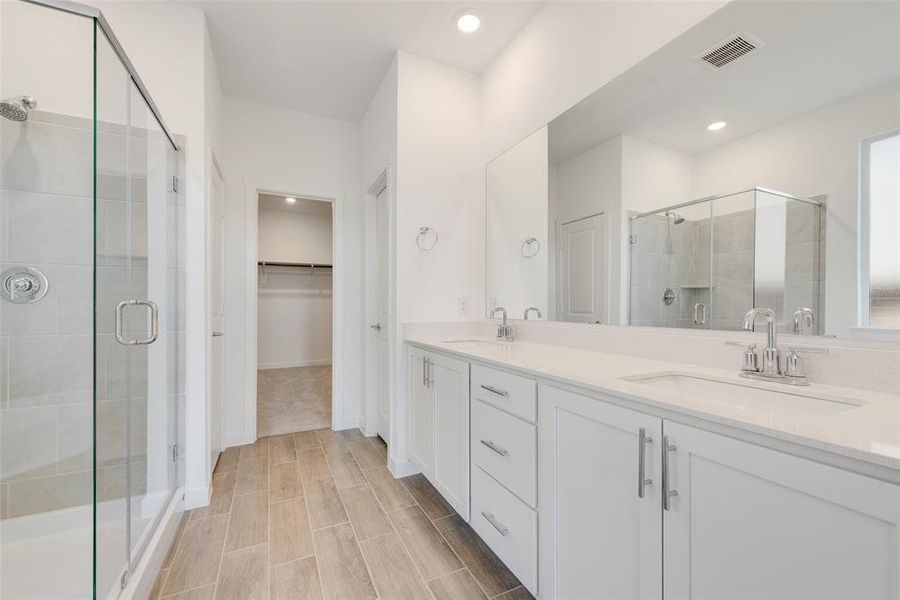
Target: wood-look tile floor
{"x": 316, "y": 514}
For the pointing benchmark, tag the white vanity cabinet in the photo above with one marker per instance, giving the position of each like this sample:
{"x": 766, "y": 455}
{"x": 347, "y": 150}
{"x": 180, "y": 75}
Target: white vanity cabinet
{"x": 741, "y": 521}
{"x": 439, "y": 423}
{"x": 600, "y": 525}
{"x": 752, "y": 522}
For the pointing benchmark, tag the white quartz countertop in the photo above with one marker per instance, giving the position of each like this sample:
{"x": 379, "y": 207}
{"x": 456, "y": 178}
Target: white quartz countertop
{"x": 868, "y": 430}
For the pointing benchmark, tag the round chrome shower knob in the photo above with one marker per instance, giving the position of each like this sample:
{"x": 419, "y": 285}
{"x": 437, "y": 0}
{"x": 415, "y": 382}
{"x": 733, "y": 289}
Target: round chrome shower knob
{"x": 23, "y": 285}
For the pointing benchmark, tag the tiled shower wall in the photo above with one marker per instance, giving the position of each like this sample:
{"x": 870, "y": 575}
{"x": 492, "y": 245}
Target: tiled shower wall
{"x": 47, "y": 348}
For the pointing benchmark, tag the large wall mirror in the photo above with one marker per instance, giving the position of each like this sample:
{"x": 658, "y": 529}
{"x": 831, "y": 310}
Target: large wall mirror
{"x": 754, "y": 161}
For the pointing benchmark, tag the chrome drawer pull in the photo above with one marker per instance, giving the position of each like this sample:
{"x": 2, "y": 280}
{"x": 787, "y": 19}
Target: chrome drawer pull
{"x": 495, "y": 447}
{"x": 494, "y": 390}
{"x": 643, "y": 480}
{"x": 493, "y": 521}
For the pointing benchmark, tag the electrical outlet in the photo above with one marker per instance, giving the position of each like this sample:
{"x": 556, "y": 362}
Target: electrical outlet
{"x": 463, "y": 305}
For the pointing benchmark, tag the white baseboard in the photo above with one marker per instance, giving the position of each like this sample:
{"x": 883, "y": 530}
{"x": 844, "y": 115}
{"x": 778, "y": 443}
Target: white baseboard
{"x": 319, "y": 362}
{"x": 196, "y": 497}
{"x": 403, "y": 469}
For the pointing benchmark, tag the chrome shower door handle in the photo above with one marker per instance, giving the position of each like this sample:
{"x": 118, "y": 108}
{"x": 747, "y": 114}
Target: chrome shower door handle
{"x": 699, "y": 314}
{"x": 154, "y": 322}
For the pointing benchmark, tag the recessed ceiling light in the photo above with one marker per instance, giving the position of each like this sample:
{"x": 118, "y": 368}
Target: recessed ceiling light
{"x": 290, "y": 200}
{"x": 716, "y": 126}
{"x": 468, "y": 22}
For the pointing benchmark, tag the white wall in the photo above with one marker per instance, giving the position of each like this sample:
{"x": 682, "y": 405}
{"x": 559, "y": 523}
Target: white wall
{"x": 424, "y": 124}
{"x": 294, "y": 319}
{"x": 280, "y": 150}
{"x": 293, "y": 236}
{"x": 566, "y": 52}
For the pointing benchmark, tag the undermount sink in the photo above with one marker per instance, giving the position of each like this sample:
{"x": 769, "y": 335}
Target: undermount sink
{"x": 749, "y": 395}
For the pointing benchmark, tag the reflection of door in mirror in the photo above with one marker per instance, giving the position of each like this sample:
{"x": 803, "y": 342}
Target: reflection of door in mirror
{"x": 582, "y": 270}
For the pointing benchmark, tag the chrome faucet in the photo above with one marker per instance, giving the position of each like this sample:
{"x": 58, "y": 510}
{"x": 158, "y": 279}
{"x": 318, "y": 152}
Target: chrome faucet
{"x": 793, "y": 373}
{"x": 770, "y": 368}
{"x": 533, "y": 309}
{"x": 505, "y": 331}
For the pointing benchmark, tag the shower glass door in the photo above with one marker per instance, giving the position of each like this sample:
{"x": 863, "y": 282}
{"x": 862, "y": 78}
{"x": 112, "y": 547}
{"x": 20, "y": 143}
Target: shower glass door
{"x": 138, "y": 286}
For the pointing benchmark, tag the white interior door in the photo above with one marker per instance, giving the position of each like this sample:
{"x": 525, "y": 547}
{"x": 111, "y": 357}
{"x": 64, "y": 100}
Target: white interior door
{"x": 217, "y": 311}
{"x": 582, "y": 287}
{"x": 381, "y": 311}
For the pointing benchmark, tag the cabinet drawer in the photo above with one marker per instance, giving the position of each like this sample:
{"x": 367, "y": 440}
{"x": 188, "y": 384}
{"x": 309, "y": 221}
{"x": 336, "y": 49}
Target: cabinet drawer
{"x": 507, "y": 525}
{"x": 512, "y": 393}
{"x": 505, "y": 447}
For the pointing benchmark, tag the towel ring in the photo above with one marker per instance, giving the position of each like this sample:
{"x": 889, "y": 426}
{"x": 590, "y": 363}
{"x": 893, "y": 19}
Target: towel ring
{"x": 427, "y": 238}
{"x": 530, "y": 247}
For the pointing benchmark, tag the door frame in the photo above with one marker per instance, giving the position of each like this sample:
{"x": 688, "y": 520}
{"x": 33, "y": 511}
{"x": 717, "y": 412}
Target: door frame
{"x": 383, "y": 182}
{"x": 338, "y": 309}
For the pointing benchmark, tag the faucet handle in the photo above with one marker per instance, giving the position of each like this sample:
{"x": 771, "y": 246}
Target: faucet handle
{"x": 750, "y": 361}
{"x": 793, "y": 365}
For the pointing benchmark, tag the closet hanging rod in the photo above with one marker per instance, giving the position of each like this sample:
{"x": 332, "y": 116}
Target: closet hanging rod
{"x": 265, "y": 263}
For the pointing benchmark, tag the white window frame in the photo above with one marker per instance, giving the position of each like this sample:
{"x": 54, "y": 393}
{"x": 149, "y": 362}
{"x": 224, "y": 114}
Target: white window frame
{"x": 865, "y": 329}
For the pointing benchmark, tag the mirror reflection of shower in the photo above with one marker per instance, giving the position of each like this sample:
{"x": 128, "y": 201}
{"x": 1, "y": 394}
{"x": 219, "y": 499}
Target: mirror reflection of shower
{"x": 16, "y": 108}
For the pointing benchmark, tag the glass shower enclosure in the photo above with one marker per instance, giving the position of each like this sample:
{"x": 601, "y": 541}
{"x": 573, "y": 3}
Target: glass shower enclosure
{"x": 704, "y": 264}
{"x": 91, "y": 307}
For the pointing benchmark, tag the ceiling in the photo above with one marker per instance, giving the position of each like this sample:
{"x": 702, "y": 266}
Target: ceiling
{"x": 327, "y": 58}
{"x": 813, "y": 54}
{"x": 302, "y": 205}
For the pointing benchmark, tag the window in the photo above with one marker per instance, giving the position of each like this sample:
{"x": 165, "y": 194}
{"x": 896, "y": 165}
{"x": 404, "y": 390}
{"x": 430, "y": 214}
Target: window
{"x": 880, "y": 241}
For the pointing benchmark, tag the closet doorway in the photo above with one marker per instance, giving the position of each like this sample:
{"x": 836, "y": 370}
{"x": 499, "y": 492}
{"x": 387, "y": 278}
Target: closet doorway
{"x": 294, "y": 314}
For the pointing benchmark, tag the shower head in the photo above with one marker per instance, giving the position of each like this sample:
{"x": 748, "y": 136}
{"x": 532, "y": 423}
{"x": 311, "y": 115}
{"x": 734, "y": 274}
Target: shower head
{"x": 676, "y": 218}
{"x": 17, "y": 107}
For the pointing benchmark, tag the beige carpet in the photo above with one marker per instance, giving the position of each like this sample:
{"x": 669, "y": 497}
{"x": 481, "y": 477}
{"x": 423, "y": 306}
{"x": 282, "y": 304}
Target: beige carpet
{"x": 295, "y": 399}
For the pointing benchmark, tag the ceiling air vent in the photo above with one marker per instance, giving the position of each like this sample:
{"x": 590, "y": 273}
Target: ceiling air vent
{"x": 729, "y": 50}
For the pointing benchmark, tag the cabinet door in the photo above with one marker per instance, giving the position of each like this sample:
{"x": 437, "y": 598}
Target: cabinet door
{"x": 598, "y": 538}
{"x": 750, "y": 522}
{"x": 450, "y": 379}
{"x": 421, "y": 408}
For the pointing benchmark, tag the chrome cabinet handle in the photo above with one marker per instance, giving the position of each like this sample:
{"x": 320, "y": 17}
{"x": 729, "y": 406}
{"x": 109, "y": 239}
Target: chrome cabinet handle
{"x": 667, "y": 493}
{"x": 494, "y": 390}
{"x": 218, "y": 333}
{"x": 424, "y": 372}
{"x": 428, "y": 379}
{"x": 493, "y": 521}
{"x": 495, "y": 447}
{"x": 376, "y": 326}
{"x": 643, "y": 480}
{"x": 154, "y": 322}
